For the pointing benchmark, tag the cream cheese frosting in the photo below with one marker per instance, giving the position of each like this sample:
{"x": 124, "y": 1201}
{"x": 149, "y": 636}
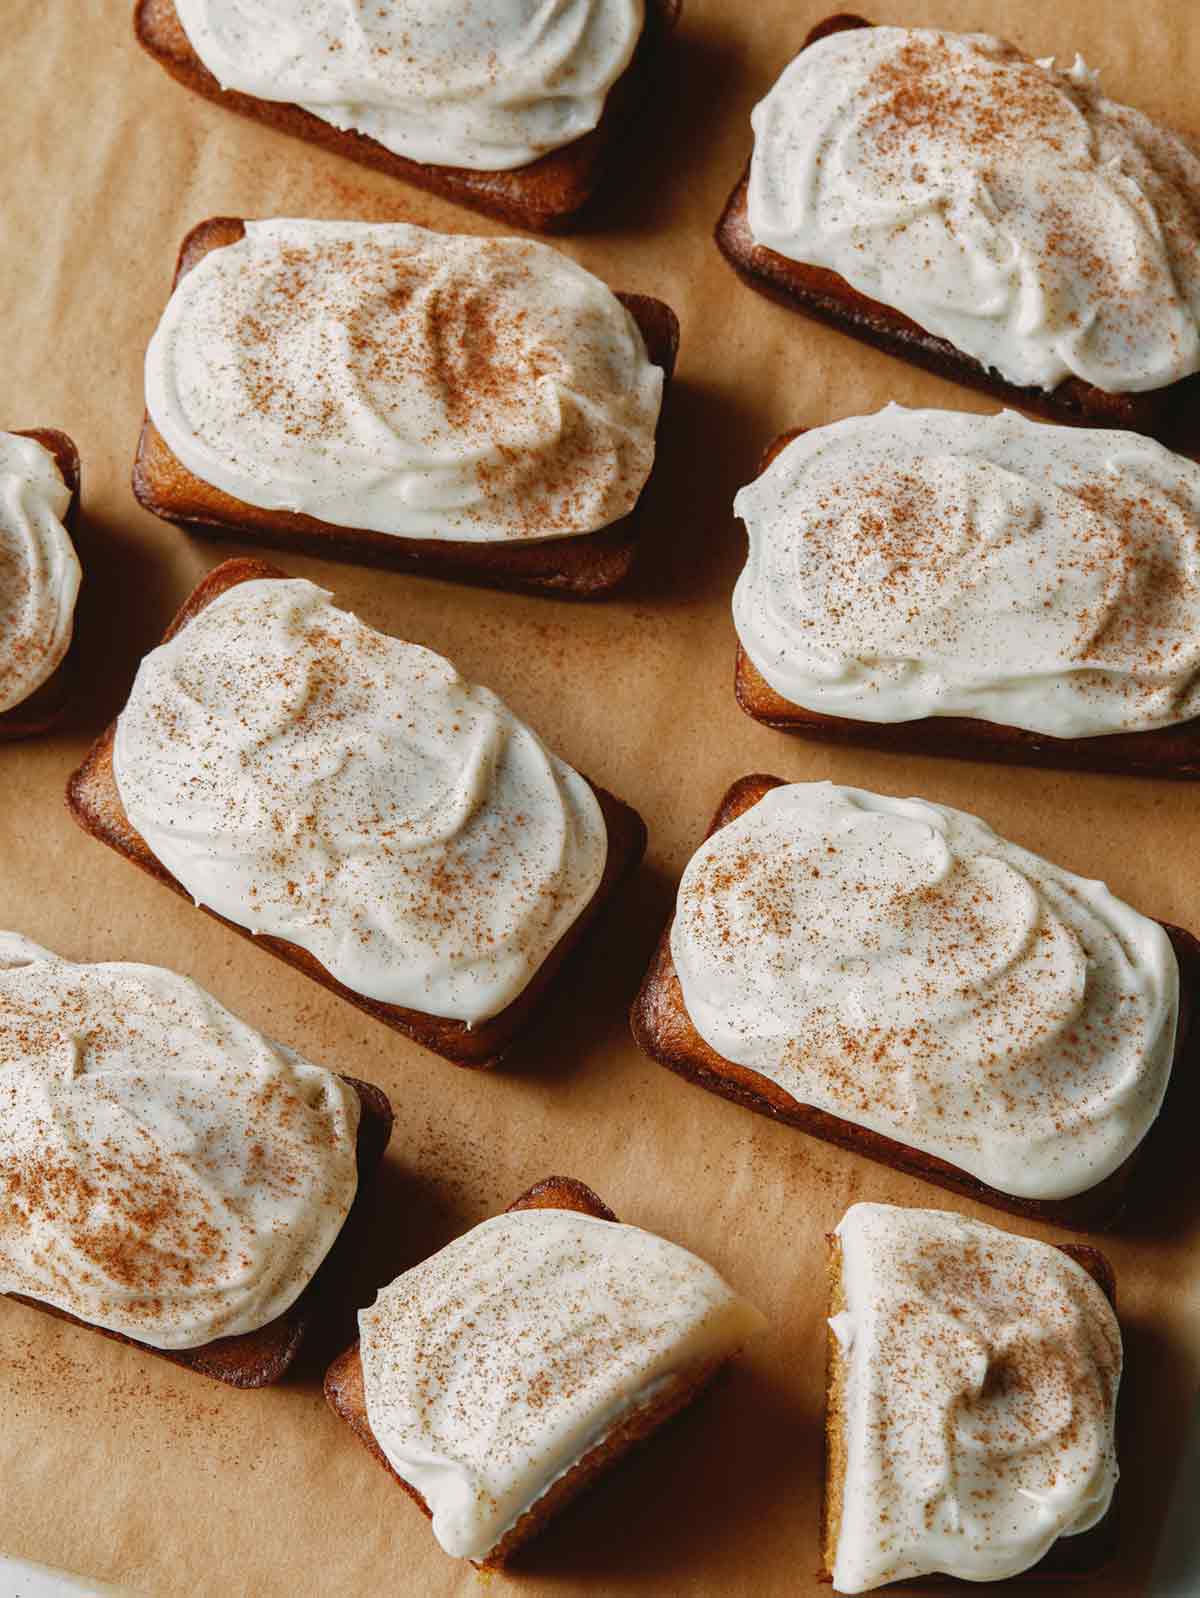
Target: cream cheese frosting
{"x": 39, "y": 569}
{"x": 934, "y": 563}
{"x": 1001, "y": 203}
{"x": 495, "y": 1366}
{"x": 981, "y": 1376}
{"x": 489, "y": 85}
{"x": 427, "y": 385}
{"x": 169, "y": 1173}
{"x": 899, "y": 965}
{"x": 306, "y": 776}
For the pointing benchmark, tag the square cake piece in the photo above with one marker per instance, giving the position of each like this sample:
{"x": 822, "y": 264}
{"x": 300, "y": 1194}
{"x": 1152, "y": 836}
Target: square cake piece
{"x": 971, "y": 1403}
{"x": 497, "y": 1379}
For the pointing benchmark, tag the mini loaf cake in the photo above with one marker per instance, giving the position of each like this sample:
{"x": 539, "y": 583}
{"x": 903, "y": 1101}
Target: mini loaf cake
{"x": 39, "y": 577}
{"x": 356, "y": 807}
{"x": 497, "y": 1379}
{"x": 891, "y": 975}
{"x": 476, "y": 408}
{"x": 972, "y": 1395}
{"x": 994, "y": 218}
{"x": 976, "y": 586}
{"x": 512, "y": 107}
{"x": 171, "y": 1177}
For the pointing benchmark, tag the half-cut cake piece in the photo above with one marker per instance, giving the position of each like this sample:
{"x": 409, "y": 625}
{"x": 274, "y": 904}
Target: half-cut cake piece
{"x": 992, "y": 217}
{"x": 476, "y": 408}
{"x": 172, "y": 1177}
{"x": 39, "y": 578}
{"x": 351, "y": 803}
{"x": 893, "y": 976}
{"x": 501, "y": 1376}
{"x": 971, "y": 1403}
{"x": 977, "y": 586}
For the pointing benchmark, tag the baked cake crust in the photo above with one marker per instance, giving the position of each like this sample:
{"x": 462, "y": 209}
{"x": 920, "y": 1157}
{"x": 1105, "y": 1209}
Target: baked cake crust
{"x": 258, "y": 1358}
{"x": 1172, "y": 752}
{"x": 547, "y": 196}
{"x": 1168, "y": 414}
{"x": 1070, "y": 1558}
{"x": 345, "y": 1395}
{"x": 663, "y": 1029}
{"x": 584, "y": 566}
{"x": 95, "y": 802}
{"x": 47, "y": 704}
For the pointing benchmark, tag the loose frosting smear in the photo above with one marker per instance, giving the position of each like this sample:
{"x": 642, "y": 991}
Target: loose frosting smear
{"x": 1001, "y": 203}
{"x": 168, "y": 1172}
{"x": 39, "y": 569}
{"x": 899, "y": 965}
{"x": 934, "y": 563}
{"x": 489, "y": 85}
{"x": 309, "y": 777}
{"x": 492, "y": 1368}
{"x": 427, "y": 385}
{"x": 981, "y": 1375}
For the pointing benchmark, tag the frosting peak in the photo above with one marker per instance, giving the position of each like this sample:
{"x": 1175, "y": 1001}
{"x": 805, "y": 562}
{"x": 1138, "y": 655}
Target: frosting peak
{"x": 998, "y": 202}
{"x": 168, "y": 1172}
{"x": 899, "y": 965}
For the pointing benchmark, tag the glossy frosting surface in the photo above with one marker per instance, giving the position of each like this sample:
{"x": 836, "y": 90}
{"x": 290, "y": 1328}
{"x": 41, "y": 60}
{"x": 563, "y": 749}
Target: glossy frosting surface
{"x": 1001, "y": 203}
{"x": 490, "y": 85}
{"x": 899, "y": 965}
{"x": 39, "y": 569}
{"x": 494, "y": 1366}
{"x": 980, "y": 1398}
{"x": 938, "y": 563}
{"x": 169, "y": 1172}
{"x": 428, "y": 385}
{"x": 307, "y": 776}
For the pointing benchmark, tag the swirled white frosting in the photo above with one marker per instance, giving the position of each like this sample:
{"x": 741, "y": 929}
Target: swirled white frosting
{"x": 168, "y": 1172}
{"x": 899, "y": 965}
{"x": 39, "y": 569}
{"x": 981, "y": 1376}
{"x": 1001, "y": 203}
{"x": 932, "y": 563}
{"x": 307, "y": 776}
{"x": 493, "y": 1367}
{"x": 489, "y": 85}
{"x": 430, "y": 385}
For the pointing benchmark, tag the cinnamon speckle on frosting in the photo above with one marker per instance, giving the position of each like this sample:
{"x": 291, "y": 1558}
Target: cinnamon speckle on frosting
{"x": 39, "y": 570}
{"x": 979, "y": 1398}
{"x": 166, "y": 1171}
{"x": 897, "y": 964}
{"x": 309, "y": 777}
{"x": 385, "y": 377}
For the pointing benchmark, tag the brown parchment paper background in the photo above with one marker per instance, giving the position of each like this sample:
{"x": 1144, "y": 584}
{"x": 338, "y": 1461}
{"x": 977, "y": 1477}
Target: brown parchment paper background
{"x": 118, "y": 1465}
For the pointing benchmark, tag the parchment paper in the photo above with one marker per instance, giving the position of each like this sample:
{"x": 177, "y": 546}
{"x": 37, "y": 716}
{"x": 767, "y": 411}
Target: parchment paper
{"x": 119, "y": 1464}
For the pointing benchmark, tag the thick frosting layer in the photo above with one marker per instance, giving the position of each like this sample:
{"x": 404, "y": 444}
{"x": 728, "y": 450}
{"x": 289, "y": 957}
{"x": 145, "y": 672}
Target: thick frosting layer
{"x": 309, "y": 777}
{"x": 897, "y": 964}
{"x": 492, "y": 1368}
{"x": 932, "y": 563}
{"x": 980, "y": 1398}
{"x": 39, "y": 569}
{"x": 378, "y": 375}
{"x": 489, "y": 85}
{"x": 1001, "y": 203}
{"x": 168, "y": 1172}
